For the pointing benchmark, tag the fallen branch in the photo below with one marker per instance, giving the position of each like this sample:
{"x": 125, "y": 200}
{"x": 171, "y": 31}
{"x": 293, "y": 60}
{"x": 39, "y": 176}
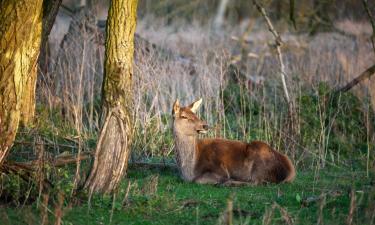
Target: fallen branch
{"x": 153, "y": 165}
{"x": 57, "y": 162}
{"x": 49, "y": 144}
{"x": 25, "y": 172}
{"x": 71, "y": 159}
{"x": 363, "y": 76}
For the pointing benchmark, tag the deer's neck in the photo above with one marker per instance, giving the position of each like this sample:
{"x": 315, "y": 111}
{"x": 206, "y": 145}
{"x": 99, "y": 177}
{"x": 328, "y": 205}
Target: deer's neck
{"x": 185, "y": 150}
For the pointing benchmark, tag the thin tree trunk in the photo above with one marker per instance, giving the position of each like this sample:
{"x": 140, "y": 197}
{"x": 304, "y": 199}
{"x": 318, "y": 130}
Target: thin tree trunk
{"x": 20, "y": 38}
{"x": 50, "y": 10}
{"x": 219, "y": 18}
{"x": 113, "y": 147}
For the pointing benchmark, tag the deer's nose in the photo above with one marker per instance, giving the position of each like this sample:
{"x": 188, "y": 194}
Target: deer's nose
{"x": 205, "y": 126}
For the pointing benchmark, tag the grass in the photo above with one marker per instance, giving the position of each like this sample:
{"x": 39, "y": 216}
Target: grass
{"x": 338, "y": 134}
{"x": 159, "y": 196}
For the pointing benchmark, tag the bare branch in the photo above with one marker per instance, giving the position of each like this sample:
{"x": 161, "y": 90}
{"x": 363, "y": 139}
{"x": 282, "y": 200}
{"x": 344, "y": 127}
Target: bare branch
{"x": 363, "y": 76}
{"x": 278, "y": 43}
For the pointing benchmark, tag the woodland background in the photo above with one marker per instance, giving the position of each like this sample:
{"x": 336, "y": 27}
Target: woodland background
{"x": 192, "y": 49}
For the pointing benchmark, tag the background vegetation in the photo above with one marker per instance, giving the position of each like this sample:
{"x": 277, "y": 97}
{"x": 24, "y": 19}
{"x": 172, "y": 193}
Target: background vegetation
{"x": 234, "y": 68}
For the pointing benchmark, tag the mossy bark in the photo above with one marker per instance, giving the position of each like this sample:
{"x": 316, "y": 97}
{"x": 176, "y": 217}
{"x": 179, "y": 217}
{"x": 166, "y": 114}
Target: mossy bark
{"x": 20, "y": 38}
{"x": 113, "y": 147}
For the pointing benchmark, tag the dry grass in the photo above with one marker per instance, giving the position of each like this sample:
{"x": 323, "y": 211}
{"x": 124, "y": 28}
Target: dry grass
{"x": 193, "y": 63}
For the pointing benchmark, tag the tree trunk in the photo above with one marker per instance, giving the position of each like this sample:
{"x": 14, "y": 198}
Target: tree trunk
{"x": 50, "y": 10}
{"x": 220, "y": 14}
{"x": 113, "y": 147}
{"x": 20, "y": 38}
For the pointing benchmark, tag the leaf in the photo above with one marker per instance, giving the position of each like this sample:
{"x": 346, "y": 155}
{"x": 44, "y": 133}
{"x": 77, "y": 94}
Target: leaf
{"x": 298, "y": 198}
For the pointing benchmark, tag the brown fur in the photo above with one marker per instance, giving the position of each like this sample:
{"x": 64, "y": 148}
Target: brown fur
{"x": 224, "y": 161}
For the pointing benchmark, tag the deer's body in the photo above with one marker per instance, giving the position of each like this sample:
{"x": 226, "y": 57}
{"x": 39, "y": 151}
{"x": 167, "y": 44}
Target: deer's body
{"x": 222, "y": 161}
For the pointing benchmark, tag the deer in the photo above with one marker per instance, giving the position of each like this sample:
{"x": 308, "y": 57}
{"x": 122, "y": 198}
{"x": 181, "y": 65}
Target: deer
{"x": 220, "y": 161}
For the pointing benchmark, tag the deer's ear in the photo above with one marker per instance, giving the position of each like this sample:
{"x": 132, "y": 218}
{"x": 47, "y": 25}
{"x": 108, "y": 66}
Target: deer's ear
{"x": 195, "y": 105}
{"x": 176, "y": 107}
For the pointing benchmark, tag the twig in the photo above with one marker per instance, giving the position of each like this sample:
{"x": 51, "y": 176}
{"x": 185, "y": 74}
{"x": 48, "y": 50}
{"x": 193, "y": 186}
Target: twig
{"x": 287, "y": 218}
{"x": 113, "y": 207}
{"x": 278, "y": 43}
{"x": 349, "y": 220}
{"x": 268, "y": 215}
{"x": 126, "y": 197}
{"x": 321, "y": 207}
{"x": 363, "y": 76}
{"x": 44, "y": 209}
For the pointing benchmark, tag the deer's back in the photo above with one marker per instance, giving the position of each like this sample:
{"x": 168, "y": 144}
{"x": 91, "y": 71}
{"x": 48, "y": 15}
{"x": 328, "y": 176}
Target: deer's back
{"x": 256, "y": 161}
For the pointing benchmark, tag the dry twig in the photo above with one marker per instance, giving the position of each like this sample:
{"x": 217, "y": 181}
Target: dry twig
{"x": 349, "y": 220}
{"x": 278, "y": 43}
{"x": 292, "y": 125}
{"x": 363, "y": 76}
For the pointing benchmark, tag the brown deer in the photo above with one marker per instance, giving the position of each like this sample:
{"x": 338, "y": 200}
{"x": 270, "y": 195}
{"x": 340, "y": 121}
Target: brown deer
{"x": 222, "y": 161}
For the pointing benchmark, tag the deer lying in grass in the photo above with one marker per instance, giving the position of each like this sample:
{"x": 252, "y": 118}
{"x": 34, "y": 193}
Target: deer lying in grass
{"x": 221, "y": 161}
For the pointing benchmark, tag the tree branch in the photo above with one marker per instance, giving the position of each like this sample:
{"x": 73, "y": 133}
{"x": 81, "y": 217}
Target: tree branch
{"x": 363, "y": 76}
{"x": 278, "y": 43}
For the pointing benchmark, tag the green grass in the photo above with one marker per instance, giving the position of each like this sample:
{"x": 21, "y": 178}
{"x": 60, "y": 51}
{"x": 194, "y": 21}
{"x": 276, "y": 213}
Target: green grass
{"x": 176, "y": 202}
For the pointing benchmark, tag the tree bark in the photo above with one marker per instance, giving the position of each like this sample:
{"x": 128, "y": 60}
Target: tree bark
{"x": 50, "y": 10}
{"x": 20, "y": 38}
{"x": 113, "y": 147}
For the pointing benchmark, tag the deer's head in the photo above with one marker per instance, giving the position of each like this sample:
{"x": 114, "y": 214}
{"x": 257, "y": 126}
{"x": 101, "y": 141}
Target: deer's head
{"x": 185, "y": 120}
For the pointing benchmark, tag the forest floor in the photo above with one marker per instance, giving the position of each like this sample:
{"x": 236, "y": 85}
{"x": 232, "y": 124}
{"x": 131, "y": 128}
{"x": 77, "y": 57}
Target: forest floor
{"x": 159, "y": 196}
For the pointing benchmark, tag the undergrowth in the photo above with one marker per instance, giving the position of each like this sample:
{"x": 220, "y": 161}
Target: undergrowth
{"x": 159, "y": 196}
{"x": 333, "y": 146}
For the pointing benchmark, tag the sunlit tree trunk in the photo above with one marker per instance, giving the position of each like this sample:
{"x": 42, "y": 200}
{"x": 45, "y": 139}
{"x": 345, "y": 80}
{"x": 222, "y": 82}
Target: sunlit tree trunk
{"x": 20, "y": 38}
{"x": 49, "y": 12}
{"x": 113, "y": 147}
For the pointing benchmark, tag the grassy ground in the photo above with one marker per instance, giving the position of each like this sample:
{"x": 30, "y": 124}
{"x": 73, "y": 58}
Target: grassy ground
{"x": 159, "y": 196}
